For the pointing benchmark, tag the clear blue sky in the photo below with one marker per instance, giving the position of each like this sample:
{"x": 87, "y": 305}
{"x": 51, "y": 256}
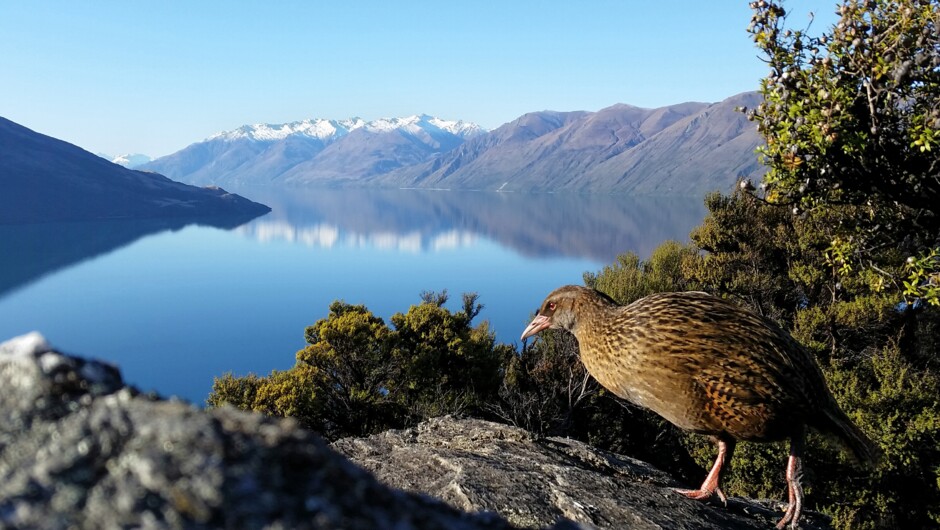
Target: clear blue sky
{"x": 153, "y": 77}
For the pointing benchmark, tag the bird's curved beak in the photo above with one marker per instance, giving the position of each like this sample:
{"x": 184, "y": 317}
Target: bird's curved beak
{"x": 538, "y": 324}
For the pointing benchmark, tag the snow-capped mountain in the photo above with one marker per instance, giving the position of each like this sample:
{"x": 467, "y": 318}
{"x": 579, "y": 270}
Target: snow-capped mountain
{"x": 326, "y": 130}
{"x": 683, "y": 149}
{"x": 314, "y": 150}
{"x": 424, "y": 122}
{"x": 130, "y": 161}
{"x": 263, "y": 132}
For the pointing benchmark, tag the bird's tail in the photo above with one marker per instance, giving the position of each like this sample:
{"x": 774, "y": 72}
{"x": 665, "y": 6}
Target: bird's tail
{"x": 836, "y": 422}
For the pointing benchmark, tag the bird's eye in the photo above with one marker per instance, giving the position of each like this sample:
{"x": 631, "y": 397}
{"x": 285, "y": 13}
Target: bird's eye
{"x": 551, "y": 306}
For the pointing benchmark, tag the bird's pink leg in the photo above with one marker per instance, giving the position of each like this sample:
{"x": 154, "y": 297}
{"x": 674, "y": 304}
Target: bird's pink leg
{"x": 794, "y": 473}
{"x": 712, "y": 481}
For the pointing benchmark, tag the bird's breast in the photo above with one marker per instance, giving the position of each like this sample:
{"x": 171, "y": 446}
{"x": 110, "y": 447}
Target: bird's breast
{"x": 669, "y": 392}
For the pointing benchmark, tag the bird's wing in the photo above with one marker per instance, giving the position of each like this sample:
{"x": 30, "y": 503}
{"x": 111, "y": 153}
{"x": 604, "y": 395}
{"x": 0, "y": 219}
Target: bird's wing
{"x": 760, "y": 383}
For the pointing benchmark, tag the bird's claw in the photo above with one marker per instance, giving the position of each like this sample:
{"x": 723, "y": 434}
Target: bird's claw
{"x": 788, "y": 517}
{"x": 704, "y": 493}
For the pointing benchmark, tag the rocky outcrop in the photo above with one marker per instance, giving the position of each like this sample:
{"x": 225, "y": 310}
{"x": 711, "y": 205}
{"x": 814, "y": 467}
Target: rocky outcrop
{"x": 477, "y": 465}
{"x": 79, "y": 449}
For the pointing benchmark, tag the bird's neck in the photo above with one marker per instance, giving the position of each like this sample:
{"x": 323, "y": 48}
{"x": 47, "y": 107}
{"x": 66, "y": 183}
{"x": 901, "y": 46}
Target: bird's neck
{"x": 606, "y": 344}
{"x": 593, "y": 313}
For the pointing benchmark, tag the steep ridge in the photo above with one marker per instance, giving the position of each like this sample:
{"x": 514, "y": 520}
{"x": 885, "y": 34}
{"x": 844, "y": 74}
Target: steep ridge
{"x": 43, "y": 179}
{"x": 710, "y": 150}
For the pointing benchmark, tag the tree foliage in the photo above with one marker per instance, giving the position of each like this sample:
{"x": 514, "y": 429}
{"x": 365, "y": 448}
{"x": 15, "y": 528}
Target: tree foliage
{"x": 630, "y": 278}
{"x": 447, "y": 366}
{"x": 545, "y": 386}
{"x": 345, "y": 360}
{"x": 868, "y": 344}
{"x": 851, "y": 117}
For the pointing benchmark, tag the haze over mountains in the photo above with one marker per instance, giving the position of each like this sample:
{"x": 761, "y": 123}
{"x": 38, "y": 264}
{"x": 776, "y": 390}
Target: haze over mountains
{"x": 689, "y": 149}
{"x": 43, "y": 179}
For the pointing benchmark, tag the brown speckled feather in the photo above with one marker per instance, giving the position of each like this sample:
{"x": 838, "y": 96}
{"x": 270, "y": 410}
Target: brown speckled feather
{"x": 704, "y": 364}
{"x": 708, "y": 366}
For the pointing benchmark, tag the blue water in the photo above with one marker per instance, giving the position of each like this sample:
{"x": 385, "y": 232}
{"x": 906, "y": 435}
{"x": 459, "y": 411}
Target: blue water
{"x": 175, "y": 306}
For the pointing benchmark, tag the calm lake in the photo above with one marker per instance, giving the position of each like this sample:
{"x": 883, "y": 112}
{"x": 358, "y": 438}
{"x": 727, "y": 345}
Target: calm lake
{"x": 174, "y": 305}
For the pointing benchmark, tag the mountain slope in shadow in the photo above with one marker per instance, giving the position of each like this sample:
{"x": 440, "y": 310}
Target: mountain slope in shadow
{"x": 43, "y": 179}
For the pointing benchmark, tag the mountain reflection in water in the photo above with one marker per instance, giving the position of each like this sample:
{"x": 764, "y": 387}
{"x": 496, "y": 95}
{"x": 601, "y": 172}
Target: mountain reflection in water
{"x": 175, "y": 305}
{"x": 596, "y": 227}
{"x": 31, "y": 251}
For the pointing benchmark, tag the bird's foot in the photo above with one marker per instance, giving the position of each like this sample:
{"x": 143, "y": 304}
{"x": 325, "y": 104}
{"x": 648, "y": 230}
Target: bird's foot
{"x": 710, "y": 486}
{"x": 788, "y": 517}
{"x": 704, "y": 493}
{"x": 792, "y": 515}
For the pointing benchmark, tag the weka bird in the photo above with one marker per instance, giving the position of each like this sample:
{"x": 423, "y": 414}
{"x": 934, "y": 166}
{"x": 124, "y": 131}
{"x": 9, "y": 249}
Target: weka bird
{"x": 709, "y": 367}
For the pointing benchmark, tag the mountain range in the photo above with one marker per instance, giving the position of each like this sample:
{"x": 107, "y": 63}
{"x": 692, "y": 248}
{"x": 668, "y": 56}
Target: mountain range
{"x": 313, "y": 151}
{"x": 43, "y": 179}
{"x": 688, "y": 148}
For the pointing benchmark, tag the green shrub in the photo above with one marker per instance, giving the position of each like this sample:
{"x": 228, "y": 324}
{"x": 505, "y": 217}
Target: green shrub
{"x": 357, "y": 376}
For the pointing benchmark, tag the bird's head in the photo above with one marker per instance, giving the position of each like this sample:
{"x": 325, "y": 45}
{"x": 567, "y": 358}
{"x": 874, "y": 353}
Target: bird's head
{"x": 560, "y": 309}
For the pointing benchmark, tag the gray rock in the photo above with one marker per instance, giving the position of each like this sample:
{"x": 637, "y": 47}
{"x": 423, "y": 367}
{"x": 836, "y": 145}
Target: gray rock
{"x": 78, "y": 449}
{"x": 478, "y": 465}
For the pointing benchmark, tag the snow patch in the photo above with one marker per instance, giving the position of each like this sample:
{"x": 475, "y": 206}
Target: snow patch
{"x": 329, "y": 130}
{"x": 129, "y": 160}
